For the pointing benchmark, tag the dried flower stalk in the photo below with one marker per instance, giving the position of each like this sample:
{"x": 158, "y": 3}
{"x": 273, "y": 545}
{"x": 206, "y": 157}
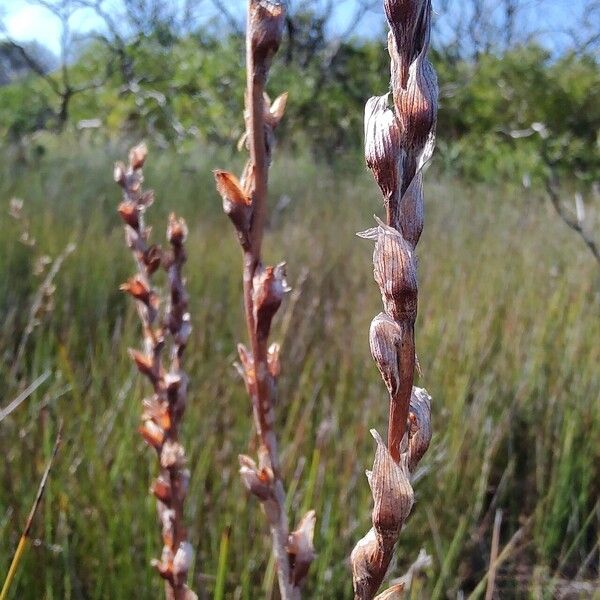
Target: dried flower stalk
{"x": 399, "y": 140}
{"x": 245, "y": 202}
{"x": 163, "y": 411}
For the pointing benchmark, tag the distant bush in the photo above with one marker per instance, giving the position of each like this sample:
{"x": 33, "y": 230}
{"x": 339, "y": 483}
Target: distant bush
{"x": 188, "y": 88}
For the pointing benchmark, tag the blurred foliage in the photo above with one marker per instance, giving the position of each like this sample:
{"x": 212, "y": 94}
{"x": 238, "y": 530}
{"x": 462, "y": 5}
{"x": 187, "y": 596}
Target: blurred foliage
{"x": 177, "y": 88}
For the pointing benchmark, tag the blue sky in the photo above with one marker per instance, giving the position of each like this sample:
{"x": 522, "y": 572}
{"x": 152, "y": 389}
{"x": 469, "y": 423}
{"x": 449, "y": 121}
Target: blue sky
{"x": 26, "y": 21}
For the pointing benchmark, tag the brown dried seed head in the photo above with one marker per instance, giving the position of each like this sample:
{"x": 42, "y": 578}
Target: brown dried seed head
{"x": 275, "y": 110}
{"x": 420, "y": 430}
{"x": 177, "y": 230}
{"x": 273, "y": 362}
{"x": 182, "y": 562}
{"x": 237, "y": 204}
{"x": 152, "y": 434}
{"x": 411, "y": 208}
{"x": 129, "y": 213}
{"x": 382, "y": 144}
{"x": 269, "y": 287}
{"x": 300, "y": 547}
{"x": 258, "y": 481}
{"x": 161, "y": 489}
{"x": 172, "y": 455}
{"x": 395, "y": 272}
{"x": 396, "y": 592}
{"x": 369, "y": 564}
{"x": 416, "y": 107}
{"x": 119, "y": 174}
{"x": 137, "y": 156}
{"x": 385, "y": 339}
{"x": 157, "y": 411}
{"x": 403, "y": 18}
{"x": 392, "y": 494}
{"x": 266, "y": 28}
{"x": 144, "y": 364}
{"x": 152, "y": 258}
{"x": 137, "y": 287}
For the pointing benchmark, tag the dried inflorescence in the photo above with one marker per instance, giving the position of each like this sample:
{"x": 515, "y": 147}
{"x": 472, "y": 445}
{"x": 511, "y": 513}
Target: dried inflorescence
{"x": 245, "y": 203}
{"x": 163, "y": 411}
{"x": 399, "y": 140}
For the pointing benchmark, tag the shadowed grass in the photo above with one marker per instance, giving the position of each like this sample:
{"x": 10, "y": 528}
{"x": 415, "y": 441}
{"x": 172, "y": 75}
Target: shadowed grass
{"x": 507, "y": 340}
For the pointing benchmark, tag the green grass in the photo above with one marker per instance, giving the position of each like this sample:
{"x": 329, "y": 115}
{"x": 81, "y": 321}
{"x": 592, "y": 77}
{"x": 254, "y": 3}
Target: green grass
{"x": 507, "y": 336}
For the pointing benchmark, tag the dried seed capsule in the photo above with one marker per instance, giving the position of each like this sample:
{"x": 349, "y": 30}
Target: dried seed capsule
{"x": 419, "y": 435}
{"x": 266, "y": 22}
{"x": 410, "y": 215}
{"x": 385, "y": 340}
{"x": 152, "y": 434}
{"x": 182, "y": 562}
{"x": 275, "y": 110}
{"x": 129, "y": 213}
{"x": 269, "y": 287}
{"x": 392, "y": 494}
{"x": 382, "y": 145}
{"x": 394, "y": 271}
{"x": 396, "y": 592}
{"x": 237, "y": 205}
{"x": 177, "y": 230}
{"x": 258, "y": 481}
{"x": 161, "y": 489}
{"x": 137, "y": 156}
{"x": 403, "y": 18}
{"x": 369, "y": 565}
{"x": 416, "y": 107}
{"x": 300, "y": 547}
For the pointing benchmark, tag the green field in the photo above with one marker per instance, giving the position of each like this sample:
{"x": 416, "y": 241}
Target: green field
{"x": 507, "y": 338}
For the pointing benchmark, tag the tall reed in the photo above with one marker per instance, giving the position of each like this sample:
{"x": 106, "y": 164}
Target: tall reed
{"x": 399, "y": 140}
{"x": 245, "y": 202}
{"x": 163, "y": 411}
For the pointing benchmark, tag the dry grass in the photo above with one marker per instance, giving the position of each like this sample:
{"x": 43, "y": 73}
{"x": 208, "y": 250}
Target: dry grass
{"x": 507, "y": 336}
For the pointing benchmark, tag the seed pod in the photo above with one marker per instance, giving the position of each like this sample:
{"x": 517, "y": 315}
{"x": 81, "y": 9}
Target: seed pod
{"x": 396, "y": 592}
{"x": 237, "y": 205}
{"x": 177, "y": 230}
{"x": 138, "y": 288}
{"x": 394, "y": 271}
{"x": 157, "y": 411}
{"x": 392, "y": 493}
{"x": 269, "y": 286}
{"x": 172, "y": 455}
{"x": 385, "y": 338}
{"x": 119, "y": 173}
{"x": 152, "y": 258}
{"x": 410, "y": 217}
{"x": 383, "y": 152}
{"x": 257, "y": 481}
{"x": 152, "y": 434}
{"x": 273, "y": 362}
{"x": 182, "y": 562}
{"x": 266, "y": 22}
{"x": 369, "y": 565}
{"x": 129, "y": 213}
{"x": 276, "y": 110}
{"x": 161, "y": 489}
{"x": 300, "y": 547}
{"x": 420, "y": 429}
{"x": 416, "y": 107}
{"x": 403, "y": 18}
{"x": 144, "y": 363}
{"x": 137, "y": 156}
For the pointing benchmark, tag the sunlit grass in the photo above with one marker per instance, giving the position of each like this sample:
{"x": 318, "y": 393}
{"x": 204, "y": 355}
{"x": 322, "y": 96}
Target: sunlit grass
{"x": 507, "y": 339}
